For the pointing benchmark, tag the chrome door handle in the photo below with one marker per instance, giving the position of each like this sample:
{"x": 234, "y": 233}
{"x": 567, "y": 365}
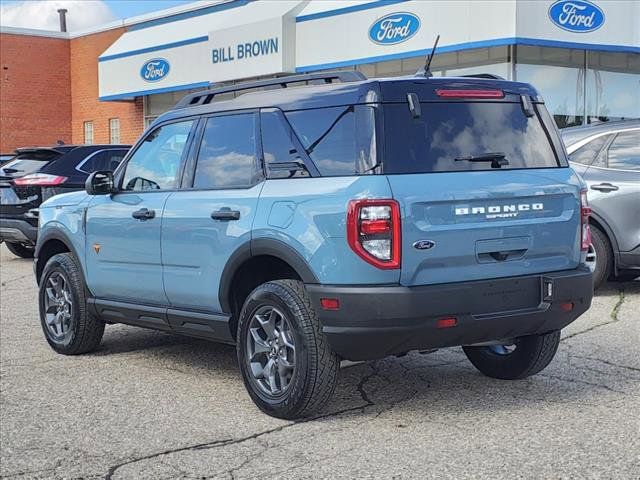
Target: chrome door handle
{"x": 604, "y": 187}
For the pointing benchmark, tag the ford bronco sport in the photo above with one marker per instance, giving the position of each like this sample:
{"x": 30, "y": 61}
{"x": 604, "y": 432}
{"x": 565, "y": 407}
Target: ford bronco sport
{"x": 346, "y": 218}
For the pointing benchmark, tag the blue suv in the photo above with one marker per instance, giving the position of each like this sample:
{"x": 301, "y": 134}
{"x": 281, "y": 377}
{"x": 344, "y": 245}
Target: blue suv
{"x": 343, "y": 218}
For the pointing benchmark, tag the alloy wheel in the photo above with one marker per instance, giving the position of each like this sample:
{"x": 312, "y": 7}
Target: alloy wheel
{"x": 271, "y": 350}
{"x": 592, "y": 258}
{"x": 58, "y": 306}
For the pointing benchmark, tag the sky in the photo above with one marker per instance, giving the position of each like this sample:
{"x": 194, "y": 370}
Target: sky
{"x": 82, "y": 14}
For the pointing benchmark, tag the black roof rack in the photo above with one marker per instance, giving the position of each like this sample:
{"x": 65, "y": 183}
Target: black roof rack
{"x": 490, "y": 76}
{"x": 206, "y": 96}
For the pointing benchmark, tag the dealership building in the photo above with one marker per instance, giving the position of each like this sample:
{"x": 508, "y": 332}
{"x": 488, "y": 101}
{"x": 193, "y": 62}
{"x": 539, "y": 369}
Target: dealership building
{"x": 108, "y": 84}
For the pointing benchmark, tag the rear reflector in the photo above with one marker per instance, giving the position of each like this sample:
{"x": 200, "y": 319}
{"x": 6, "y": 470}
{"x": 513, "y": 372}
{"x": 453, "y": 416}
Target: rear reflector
{"x": 446, "y": 93}
{"x": 330, "y": 303}
{"x": 566, "y": 307}
{"x": 446, "y": 322}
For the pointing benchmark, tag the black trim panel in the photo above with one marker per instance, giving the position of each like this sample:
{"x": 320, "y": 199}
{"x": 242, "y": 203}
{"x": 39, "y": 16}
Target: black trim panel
{"x": 254, "y": 248}
{"x": 211, "y": 326}
{"x": 376, "y": 321}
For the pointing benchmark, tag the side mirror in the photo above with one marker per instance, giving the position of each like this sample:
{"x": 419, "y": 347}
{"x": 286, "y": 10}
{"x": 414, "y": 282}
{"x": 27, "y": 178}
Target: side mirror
{"x": 100, "y": 183}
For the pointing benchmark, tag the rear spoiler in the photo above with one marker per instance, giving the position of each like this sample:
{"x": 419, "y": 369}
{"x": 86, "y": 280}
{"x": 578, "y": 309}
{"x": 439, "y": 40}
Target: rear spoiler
{"x": 22, "y": 150}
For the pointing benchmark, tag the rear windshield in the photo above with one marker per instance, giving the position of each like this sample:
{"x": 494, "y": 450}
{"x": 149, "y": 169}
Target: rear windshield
{"x": 462, "y": 136}
{"x": 26, "y": 163}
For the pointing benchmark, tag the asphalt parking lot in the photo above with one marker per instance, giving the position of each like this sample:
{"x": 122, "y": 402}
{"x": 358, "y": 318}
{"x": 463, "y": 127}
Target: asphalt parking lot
{"x": 153, "y": 405}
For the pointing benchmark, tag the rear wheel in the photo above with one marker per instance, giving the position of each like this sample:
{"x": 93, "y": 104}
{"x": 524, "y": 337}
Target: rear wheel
{"x": 287, "y": 364}
{"x": 603, "y": 257}
{"x": 526, "y": 356}
{"x": 20, "y": 250}
{"x": 67, "y": 325}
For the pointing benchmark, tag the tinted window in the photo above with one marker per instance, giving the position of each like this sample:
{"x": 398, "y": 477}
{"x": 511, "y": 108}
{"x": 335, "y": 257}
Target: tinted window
{"x": 278, "y": 145}
{"x": 449, "y": 131}
{"x": 339, "y": 140}
{"x": 586, "y": 154}
{"x": 227, "y": 156}
{"x": 155, "y": 165}
{"x": 624, "y": 152}
{"x": 26, "y": 163}
{"x": 103, "y": 160}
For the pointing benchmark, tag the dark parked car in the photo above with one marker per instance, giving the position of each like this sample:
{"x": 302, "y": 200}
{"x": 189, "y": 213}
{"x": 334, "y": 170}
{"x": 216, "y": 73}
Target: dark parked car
{"x": 38, "y": 173}
{"x": 607, "y": 156}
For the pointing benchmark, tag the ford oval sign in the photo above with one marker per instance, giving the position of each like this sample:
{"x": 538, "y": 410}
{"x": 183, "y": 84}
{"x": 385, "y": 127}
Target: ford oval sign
{"x": 394, "y": 28}
{"x": 580, "y": 16}
{"x": 154, "y": 70}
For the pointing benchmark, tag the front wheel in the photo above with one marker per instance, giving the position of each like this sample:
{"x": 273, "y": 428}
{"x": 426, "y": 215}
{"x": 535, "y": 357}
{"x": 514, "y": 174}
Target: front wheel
{"x": 67, "y": 325}
{"x": 526, "y": 356}
{"x": 286, "y": 362}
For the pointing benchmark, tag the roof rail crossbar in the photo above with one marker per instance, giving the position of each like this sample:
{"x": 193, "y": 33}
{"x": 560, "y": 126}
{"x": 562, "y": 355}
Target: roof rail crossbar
{"x": 205, "y": 96}
{"x": 490, "y": 76}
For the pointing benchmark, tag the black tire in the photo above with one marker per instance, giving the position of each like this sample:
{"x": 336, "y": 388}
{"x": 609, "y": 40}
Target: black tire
{"x": 83, "y": 332}
{"x": 531, "y": 355}
{"x": 314, "y": 377}
{"x": 604, "y": 257}
{"x": 20, "y": 250}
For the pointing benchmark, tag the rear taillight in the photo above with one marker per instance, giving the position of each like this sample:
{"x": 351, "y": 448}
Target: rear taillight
{"x": 585, "y": 231}
{"x": 40, "y": 180}
{"x": 373, "y": 231}
{"x": 466, "y": 93}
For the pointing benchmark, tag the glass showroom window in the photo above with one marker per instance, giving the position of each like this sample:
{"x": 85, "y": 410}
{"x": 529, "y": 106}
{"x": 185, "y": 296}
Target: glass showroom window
{"x": 114, "y": 130}
{"x": 613, "y": 86}
{"x": 558, "y": 74}
{"x": 88, "y": 133}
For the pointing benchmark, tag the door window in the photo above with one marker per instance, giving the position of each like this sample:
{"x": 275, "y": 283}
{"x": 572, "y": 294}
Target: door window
{"x": 624, "y": 152}
{"x": 227, "y": 156}
{"x": 155, "y": 165}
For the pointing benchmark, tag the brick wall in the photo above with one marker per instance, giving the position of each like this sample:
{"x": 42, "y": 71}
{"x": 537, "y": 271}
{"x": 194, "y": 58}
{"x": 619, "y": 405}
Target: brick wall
{"x": 85, "y": 105}
{"x": 35, "y": 101}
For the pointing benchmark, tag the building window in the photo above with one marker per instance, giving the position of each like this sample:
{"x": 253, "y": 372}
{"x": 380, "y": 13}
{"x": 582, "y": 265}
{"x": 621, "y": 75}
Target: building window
{"x": 88, "y": 133}
{"x": 114, "y": 130}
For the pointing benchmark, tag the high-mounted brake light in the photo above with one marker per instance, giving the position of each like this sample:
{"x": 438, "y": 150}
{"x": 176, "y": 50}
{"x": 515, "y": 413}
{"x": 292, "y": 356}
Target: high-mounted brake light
{"x": 450, "y": 93}
{"x": 40, "y": 180}
{"x": 585, "y": 231}
{"x": 373, "y": 232}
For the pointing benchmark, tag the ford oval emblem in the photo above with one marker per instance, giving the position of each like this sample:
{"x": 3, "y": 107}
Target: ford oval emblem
{"x": 424, "y": 244}
{"x": 394, "y": 28}
{"x": 155, "y": 70}
{"x": 580, "y": 16}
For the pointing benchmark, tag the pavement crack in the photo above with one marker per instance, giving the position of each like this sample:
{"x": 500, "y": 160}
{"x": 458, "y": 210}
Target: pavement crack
{"x": 229, "y": 441}
{"x": 583, "y": 382}
{"x": 607, "y": 362}
{"x": 613, "y": 315}
{"x": 360, "y": 387}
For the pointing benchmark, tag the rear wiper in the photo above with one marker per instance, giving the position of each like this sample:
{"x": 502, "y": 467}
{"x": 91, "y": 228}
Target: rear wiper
{"x": 11, "y": 170}
{"x": 497, "y": 159}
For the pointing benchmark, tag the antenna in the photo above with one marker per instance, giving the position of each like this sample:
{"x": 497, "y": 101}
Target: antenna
{"x": 427, "y": 72}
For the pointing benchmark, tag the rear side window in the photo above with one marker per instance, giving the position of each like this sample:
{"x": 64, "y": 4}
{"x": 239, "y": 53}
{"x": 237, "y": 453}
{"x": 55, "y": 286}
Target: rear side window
{"x": 591, "y": 153}
{"x": 624, "y": 152}
{"x": 103, "y": 160}
{"x": 227, "y": 156}
{"x": 278, "y": 145}
{"x": 339, "y": 140}
{"x": 456, "y": 136}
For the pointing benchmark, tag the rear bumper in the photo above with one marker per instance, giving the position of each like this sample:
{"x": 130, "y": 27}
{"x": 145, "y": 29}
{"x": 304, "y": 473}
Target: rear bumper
{"x": 377, "y": 321}
{"x": 19, "y": 231}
